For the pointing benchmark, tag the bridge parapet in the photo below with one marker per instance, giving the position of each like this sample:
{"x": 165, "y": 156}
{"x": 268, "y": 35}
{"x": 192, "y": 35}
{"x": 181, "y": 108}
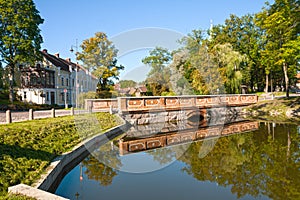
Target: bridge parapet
{"x": 101, "y": 104}
{"x": 166, "y": 103}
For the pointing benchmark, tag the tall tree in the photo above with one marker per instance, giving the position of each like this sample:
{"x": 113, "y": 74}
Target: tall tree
{"x": 245, "y": 37}
{"x": 99, "y": 56}
{"x": 230, "y": 63}
{"x": 195, "y": 64}
{"x": 20, "y": 37}
{"x": 158, "y": 78}
{"x": 281, "y": 24}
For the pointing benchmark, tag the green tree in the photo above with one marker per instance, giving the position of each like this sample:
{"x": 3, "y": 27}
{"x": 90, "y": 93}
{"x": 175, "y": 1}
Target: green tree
{"x": 99, "y": 57}
{"x": 193, "y": 69}
{"x": 127, "y": 83}
{"x": 20, "y": 37}
{"x": 158, "y": 78}
{"x": 1, "y": 76}
{"x": 246, "y": 38}
{"x": 281, "y": 25}
{"x": 229, "y": 66}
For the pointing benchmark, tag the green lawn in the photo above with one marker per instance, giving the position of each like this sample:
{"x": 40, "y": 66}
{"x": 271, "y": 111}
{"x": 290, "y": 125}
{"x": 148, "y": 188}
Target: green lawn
{"x": 27, "y": 148}
{"x": 274, "y": 93}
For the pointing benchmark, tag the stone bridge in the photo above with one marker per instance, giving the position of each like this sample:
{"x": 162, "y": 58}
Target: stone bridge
{"x": 153, "y": 109}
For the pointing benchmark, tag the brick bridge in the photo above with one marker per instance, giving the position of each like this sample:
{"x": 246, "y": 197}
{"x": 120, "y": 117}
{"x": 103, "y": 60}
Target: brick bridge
{"x": 153, "y": 109}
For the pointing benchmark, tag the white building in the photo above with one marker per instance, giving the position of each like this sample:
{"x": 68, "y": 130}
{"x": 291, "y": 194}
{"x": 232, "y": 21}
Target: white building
{"x": 55, "y": 81}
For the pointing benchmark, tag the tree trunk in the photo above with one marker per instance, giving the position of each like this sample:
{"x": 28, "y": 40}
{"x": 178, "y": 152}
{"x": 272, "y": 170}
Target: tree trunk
{"x": 11, "y": 77}
{"x": 271, "y": 82}
{"x": 286, "y": 78}
{"x": 267, "y": 83}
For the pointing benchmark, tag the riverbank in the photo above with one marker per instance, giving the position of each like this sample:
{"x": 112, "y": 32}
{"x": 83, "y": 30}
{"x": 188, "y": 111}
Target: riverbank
{"x": 277, "y": 110}
{"x": 27, "y": 148}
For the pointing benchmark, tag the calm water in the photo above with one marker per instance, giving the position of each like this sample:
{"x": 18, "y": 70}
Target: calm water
{"x": 261, "y": 163}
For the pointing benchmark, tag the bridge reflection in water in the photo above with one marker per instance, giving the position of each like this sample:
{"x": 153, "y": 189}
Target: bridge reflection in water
{"x": 168, "y": 136}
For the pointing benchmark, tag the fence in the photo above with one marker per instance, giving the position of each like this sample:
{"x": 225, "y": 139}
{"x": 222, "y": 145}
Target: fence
{"x": 9, "y": 116}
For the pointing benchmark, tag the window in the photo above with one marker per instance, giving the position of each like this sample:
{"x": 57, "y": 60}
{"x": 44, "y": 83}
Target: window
{"x": 52, "y": 79}
{"x": 67, "y": 82}
{"x": 25, "y": 96}
{"x": 47, "y": 96}
{"x": 33, "y": 79}
{"x": 62, "y": 81}
{"x": 73, "y": 82}
{"x": 62, "y": 96}
{"x": 47, "y": 79}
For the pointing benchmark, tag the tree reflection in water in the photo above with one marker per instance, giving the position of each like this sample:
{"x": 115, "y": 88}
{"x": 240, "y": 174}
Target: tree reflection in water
{"x": 253, "y": 164}
{"x": 103, "y": 172}
{"x": 263, "y": 162}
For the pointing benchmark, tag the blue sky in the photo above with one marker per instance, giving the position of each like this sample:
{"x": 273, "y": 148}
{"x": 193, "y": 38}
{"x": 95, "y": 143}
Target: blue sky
{"x": 69, "y": 20}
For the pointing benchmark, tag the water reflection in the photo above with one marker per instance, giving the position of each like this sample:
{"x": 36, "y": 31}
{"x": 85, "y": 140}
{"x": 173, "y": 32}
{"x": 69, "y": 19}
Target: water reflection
{"x": 263, "y": 163}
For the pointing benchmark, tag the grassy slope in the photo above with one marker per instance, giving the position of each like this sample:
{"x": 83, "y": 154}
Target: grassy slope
{"x": 282, "y": 109}
{"x": 27, "y": 148}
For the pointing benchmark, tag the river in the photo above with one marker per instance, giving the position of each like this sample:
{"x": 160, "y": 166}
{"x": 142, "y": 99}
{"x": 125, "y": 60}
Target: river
{"x": 240, "y": 160}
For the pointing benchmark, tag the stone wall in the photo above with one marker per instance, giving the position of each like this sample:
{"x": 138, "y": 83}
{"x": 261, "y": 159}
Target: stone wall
{"x": 211, "y": 114}
{"x": 157, "y": 117}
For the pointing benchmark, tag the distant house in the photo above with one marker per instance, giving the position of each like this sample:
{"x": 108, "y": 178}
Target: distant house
{"x": 54, "y": 81}
{"x": 138, "y": 91}
{"x": 131, "y": 91}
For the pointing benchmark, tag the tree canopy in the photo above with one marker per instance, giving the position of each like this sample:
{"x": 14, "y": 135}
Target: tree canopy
{"x": 20, "y": 37}
{"x": 260, "y": 51}
{"x": 99, "y": 56}
{"x": 280, "y": 23}
{"x": 127, "y": 83}
{"x": 159, "y": 76}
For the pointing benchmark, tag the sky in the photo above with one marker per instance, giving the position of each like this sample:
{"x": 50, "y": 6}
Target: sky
{"x": 135, "y": 26}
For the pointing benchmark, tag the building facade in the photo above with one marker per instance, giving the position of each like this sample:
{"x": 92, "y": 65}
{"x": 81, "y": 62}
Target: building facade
{"x": 55, "y": 81}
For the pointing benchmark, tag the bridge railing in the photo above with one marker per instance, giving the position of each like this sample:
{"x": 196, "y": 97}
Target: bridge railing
{"x": 101, "y": 104}
{"x": 156, "y": 103}
{"x": 159, "y": 103}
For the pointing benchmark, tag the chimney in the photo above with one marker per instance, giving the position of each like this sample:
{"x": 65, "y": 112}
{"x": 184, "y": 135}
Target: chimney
{"x": 45, "y": 51}
{"x": 57, "y": 55}
{"x": 68, "y": 59}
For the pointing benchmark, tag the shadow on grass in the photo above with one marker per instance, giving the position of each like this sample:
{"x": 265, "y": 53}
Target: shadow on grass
{"x": 20, "y": 165}
{"x": 15, "y": 151}
{"x": 256, "y": 107}
{"x": 291, "y": 102}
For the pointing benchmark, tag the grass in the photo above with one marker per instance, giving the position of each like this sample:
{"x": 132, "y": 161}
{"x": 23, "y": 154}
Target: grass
{"x": 27, "y": 148}
{"x": 274, "y": 93}
{"x": 17, "y": 197}
{"x": 283, "y": 109}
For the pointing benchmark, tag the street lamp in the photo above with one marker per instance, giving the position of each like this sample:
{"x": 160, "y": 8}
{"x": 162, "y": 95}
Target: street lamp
{"x": 76, "y": 72}
{"x": 76, "y": 47}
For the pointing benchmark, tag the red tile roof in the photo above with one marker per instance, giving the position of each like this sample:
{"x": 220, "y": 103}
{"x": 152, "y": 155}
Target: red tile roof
{"x": 63, "y": 63}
